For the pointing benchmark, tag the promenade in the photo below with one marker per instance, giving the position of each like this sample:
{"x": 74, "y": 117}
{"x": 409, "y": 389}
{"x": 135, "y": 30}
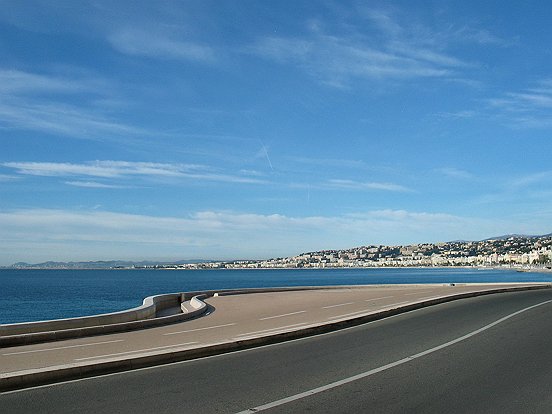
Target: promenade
{"x": 230, "y": 322}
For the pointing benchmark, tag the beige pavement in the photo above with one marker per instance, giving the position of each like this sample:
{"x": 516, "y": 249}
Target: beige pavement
{"x": 233, "y": 318}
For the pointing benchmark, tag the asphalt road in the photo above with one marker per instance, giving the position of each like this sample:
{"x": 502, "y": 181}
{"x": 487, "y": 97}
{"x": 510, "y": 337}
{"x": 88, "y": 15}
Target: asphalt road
{"x": 232, "y": 318}
{"x": 435, "y": 360}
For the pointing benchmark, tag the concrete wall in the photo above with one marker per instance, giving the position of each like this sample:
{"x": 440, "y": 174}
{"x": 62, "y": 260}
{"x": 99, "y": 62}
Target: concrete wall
{"x": 150, "y": 306}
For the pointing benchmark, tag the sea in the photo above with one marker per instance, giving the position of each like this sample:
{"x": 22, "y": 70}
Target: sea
{"x": 33, "y": 295}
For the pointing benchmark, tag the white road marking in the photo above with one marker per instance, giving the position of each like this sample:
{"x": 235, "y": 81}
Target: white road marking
{"x": 395, "y": 304}
{"x": 373, "y": 300}
{"x": 271, "y": 329}
{"x": 200, "y": 329}
{"x": 350, "y": 314}
{"x": 367, "y": 310}
{"x": 362, "y": 375}
{"x": 417, "y": 293}
{"x": 339, "y": 304}
{"x": 62, "y": 347}
{"x": 136, "y": 351}
{"x": 281, "y": 316}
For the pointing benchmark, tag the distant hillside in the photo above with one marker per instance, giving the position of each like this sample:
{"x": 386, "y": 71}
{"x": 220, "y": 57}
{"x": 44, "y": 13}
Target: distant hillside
{"x": 96, "y": 264}
{"x": 455, "y": 252}
{"x": 517, "y": 236}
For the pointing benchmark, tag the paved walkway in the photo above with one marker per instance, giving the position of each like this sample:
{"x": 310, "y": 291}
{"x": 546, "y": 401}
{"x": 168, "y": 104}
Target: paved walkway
{"x": 231, "y": 319}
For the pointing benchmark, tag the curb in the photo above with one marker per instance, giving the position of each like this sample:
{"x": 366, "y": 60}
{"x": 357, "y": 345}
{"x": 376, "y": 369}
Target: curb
{"x": 30, "y": 378}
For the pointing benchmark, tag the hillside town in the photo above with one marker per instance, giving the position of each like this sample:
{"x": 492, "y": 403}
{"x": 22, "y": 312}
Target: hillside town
{"x": 519, "y": 252}
{"x": 508, "y": 251}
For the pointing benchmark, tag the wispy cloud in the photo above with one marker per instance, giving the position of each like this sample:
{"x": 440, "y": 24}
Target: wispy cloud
{"x": 336, "y": 60}
{"x": 6, "y": 177}
{"x": 62, "y": 119}
{"x": 398, "y": 50}
{"x": 48, "y": 103}
{"x": 20, "y": 82}
{"x": 532, "y": 179}
{"x": 478, "y": 35}
{"x": 142, "y": 43}
{"x": 530, "y": 107}
{"x": 125, "y": 169}
{"x": 463, "y": 114}
{"x": 454, "y": 173}
{"x": 358, "y": 185}
{"x": 92, "y": 184}
{"x": 332, "y": 162}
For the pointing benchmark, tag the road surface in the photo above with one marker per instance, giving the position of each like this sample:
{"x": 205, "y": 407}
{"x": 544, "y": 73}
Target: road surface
{"x": 478, "y": 355}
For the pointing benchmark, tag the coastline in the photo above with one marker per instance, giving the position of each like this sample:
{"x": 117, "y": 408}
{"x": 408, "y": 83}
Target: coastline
{"x": 530, "y": 269}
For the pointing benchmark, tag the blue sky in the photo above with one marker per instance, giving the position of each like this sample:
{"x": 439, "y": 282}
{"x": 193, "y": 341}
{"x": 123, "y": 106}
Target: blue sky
{"x": 252, "y": 129}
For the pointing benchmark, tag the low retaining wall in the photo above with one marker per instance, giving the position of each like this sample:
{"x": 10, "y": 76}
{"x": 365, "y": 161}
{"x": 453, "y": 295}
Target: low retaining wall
{"x": 127, "y": 320}
{"x": 150, "y": 306}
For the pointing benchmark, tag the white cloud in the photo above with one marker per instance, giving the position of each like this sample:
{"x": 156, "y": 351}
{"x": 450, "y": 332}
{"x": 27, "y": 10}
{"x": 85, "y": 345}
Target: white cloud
{"x": 62, "y": 119}
{"x": 140, "y": 43}
{"x": 96, "y": 169}
{"x": 331, "y": 162}
{"x": 463, "y": 114}
{"x": 91, "y": 184}
{"x": 336, "y": 60}
{"x": 529, "y": 108}
{"x": 386, "y": 48}
{"x": 531, "y": 179}
{"x": 16, "y": 81}
{"x": 455, "y": 173}
{"x": 67, "y": 235}
{"x": 34, "y": 101}
{"x": 125, "y": 169}
{"x": 6, "y": 177}
{"x": 356, "y": 185}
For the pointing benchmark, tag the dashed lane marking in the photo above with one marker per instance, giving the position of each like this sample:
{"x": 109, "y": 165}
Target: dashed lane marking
{"x": 62, "y": 347}
{"x": 281, "y": 316}
{"x": 200, "y": 329}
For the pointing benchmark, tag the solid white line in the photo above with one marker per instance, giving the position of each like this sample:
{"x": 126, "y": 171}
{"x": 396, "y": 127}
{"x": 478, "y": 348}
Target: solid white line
{"x": 384, "y": 367}
{"x": 199, "y": 329}
{"x": 372, "y": 300}
{"x": 281, "y": 316}
{"x": 62, "y": 347}
{"x": 339, "y": 304}
{"x": 136, "y": 351}
{"x": 271, "y": 329}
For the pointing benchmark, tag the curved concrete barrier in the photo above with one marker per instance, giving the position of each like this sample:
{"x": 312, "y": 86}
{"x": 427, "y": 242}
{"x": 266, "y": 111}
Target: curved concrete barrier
{"x": 196, "y": 304}
{"x": 150, "y": 306}
{"x": 140, "y": 317}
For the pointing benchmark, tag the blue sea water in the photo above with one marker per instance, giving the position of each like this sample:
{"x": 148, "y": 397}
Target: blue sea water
{"x": 31, "y": 295}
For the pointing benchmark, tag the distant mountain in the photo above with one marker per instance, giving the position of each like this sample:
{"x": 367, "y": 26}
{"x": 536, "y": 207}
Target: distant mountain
{"x": 383, "y": 251}
{"x": 101, "y": 264}
{"x": 515, "y": 236}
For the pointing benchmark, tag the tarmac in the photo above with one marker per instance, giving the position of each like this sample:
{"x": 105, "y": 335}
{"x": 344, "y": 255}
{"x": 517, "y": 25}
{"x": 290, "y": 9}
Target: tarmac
{"x": 233, "y": 321}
